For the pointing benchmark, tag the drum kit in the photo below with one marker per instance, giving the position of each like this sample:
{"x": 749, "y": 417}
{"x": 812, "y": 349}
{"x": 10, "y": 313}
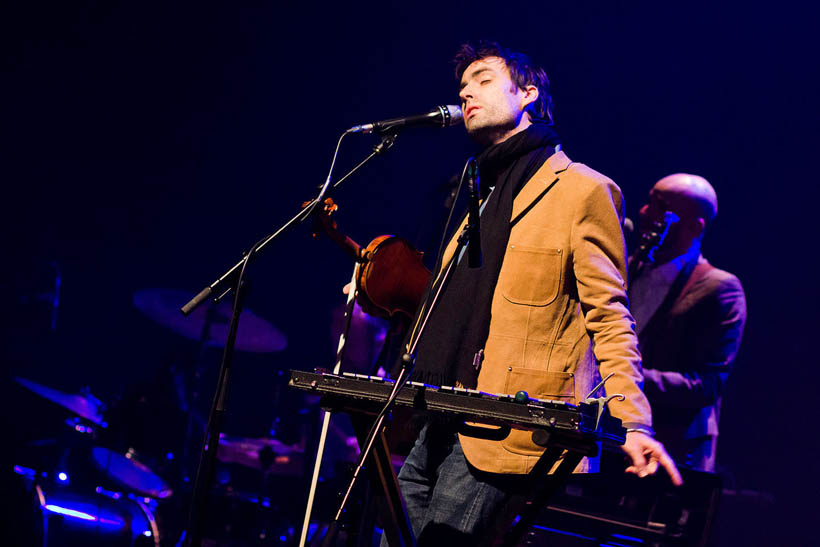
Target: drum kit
{"x": 93, "y": 485}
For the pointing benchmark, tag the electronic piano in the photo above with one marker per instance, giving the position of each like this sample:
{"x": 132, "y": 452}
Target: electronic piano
{"x": 362, "y": 393}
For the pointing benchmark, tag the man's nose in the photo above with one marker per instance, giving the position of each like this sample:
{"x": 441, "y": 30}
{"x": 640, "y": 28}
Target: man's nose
{"x": 465, "y": 94}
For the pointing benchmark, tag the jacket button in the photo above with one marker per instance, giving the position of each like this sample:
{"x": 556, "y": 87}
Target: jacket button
{"x": 509, "y": 369}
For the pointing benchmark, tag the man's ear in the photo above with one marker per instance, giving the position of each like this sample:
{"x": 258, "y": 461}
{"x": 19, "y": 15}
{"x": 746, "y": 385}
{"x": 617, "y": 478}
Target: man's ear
{"x": 695, "y": 227}
{"x": 529, "y": 97}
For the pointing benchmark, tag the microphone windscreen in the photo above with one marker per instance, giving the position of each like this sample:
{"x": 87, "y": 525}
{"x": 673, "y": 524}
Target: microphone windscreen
{"x": 456, "y": 115}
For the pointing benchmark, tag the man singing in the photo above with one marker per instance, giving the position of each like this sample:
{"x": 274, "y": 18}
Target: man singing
{"x": 546, "y": 313}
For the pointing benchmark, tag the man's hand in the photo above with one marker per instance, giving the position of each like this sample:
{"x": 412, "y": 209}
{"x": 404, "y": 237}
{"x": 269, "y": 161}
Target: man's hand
{"x": 646, "y": 453}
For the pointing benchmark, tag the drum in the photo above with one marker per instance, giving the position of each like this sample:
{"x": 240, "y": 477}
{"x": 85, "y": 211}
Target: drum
{"x": 83, "y": 486}
{"x": 69, "y": 513}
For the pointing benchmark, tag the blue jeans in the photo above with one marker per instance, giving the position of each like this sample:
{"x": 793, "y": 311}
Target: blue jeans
{"x": 448, "y": 500}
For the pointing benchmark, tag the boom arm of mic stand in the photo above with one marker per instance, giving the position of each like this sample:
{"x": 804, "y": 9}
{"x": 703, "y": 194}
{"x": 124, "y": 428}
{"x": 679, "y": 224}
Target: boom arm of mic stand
{"x": 227, "y": 280}
{"x": 223, "y": 285}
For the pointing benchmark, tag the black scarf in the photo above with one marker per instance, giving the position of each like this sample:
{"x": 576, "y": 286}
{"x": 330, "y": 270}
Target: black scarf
{"x": 460, "y": 321}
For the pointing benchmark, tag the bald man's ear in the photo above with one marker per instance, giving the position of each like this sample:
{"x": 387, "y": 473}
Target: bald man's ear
{"x": 695, "y": 227}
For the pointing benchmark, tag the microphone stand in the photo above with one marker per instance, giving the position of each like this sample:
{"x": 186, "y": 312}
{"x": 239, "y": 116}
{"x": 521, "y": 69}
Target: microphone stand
{"x": 474, "y": 259}
{"x": 233, "y": 280}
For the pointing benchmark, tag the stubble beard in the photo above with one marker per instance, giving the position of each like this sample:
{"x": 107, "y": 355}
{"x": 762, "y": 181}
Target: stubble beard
{"x": 488, "y": 131}
{"x": 489, "y": 127}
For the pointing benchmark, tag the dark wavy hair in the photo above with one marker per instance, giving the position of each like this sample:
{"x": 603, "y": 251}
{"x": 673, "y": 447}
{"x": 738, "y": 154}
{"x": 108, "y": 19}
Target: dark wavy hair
{"x": 522, "y": 73}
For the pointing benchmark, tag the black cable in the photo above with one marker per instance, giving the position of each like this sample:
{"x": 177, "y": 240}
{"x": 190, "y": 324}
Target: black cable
{"x": 439, "y": 255}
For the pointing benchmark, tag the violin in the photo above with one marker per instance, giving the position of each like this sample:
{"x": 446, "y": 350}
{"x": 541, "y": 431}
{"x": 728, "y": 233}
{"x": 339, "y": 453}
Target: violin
{"x": 390, "y": 274}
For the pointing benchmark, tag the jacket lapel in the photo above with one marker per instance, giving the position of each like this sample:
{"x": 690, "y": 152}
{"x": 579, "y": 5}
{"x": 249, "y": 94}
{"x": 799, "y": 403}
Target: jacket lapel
{"x": 541, "y": 181}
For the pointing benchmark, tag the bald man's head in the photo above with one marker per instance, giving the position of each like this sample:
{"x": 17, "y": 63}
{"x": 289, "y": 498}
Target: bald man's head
{"x": 692, "y": 199}
{"x": 693, "y": 195}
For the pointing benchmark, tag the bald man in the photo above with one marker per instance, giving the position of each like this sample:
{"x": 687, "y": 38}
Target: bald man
{"x": 689, "y": 317}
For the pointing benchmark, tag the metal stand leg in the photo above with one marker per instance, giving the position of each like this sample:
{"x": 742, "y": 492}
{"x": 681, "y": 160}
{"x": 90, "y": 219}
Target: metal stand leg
{"x": 547, "y": 487}
{"x": 516, "y": 517}
{"x": 385, "y": 487}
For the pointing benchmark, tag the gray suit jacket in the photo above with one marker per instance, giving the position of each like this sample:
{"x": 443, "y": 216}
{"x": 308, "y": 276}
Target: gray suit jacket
{"x": 688, "y": 349}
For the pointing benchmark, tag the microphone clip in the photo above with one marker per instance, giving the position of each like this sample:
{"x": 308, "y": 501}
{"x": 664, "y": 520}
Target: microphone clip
{"x": 386, "y": 143}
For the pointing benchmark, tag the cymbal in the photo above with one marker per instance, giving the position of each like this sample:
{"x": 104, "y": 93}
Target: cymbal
{"x": 127, "y": 470}
{"x": 262, "y": 453}
{"x": 254, "y": 335}
{"x": 86, "y": 406}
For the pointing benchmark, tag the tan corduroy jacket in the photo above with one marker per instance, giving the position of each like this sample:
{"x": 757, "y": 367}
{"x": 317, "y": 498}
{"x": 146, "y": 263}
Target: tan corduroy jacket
{"x": 560, "y": 298}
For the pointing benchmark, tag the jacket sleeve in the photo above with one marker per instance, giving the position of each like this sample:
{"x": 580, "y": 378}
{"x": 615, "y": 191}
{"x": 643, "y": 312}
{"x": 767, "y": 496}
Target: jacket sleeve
{"x": 599, "y": 265}
{"x": 721, "y": 317}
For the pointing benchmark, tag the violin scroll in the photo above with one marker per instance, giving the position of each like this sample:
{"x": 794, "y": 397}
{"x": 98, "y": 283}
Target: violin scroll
{"x": 390, "y": 274}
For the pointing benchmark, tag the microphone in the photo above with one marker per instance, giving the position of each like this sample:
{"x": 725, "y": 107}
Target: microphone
{"x": 474, "y": 259}
{"x": 440, "y": 116}
{"x": 628, "y": 226}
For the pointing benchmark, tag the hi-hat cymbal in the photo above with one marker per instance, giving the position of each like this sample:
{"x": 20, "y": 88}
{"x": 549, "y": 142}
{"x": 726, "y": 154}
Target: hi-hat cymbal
{"x": 86, "y": 406}
{"x": 254, "y": 335}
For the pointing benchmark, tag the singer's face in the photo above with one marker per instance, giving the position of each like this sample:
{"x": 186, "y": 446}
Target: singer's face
{"x": 493, "y": 105}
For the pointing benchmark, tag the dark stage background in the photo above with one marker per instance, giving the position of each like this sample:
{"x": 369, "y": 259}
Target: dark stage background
{"x": 147, "y": 145}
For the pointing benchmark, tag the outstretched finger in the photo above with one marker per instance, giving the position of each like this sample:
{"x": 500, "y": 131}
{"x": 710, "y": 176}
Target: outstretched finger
{"x": 669, "y": 465}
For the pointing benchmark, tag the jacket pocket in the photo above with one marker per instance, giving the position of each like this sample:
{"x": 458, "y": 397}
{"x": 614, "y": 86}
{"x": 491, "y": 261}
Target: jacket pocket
{"x": 531, "y": 275}
{"x": 542, "y": 384}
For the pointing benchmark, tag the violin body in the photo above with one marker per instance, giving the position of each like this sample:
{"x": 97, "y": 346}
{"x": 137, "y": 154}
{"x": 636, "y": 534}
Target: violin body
{"x": 392, "y": 279}
{"x": 390, "y": 275}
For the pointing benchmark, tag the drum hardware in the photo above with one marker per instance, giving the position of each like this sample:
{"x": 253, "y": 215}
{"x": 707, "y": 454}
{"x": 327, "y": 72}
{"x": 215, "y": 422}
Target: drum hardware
{"x": 162, "y": 306}
{"x": 74, "y": 514}
{"x": 263, "y": 454}
{"x": 208, "y": 325}
{"x": 80, "y": 426}
{"x": 86, "y": 492}
{"x": 84, "y": 404}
